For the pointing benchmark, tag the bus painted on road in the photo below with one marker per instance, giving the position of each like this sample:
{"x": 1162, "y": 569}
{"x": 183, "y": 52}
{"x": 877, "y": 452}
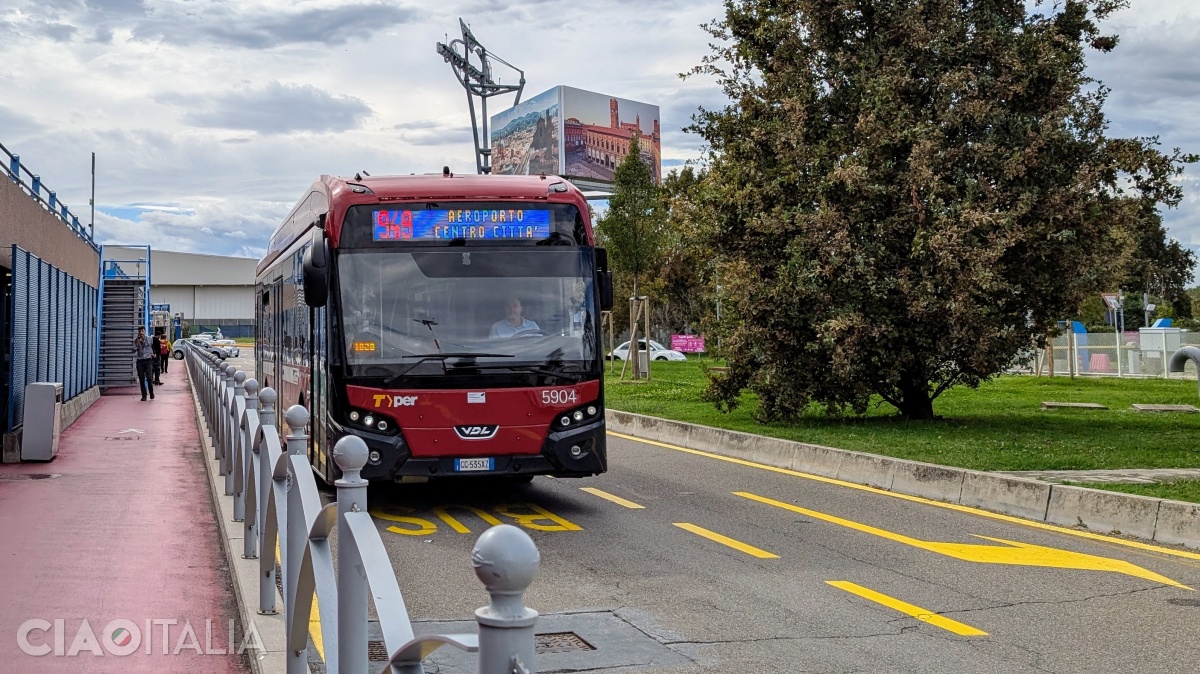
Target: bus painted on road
{"x": 452, "y": 322}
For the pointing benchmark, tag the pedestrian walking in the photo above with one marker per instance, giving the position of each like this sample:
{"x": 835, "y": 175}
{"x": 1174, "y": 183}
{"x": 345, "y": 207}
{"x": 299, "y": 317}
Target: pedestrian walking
{"x": 145, "y": 362}
{"x": 156, "y": 358}
{"x": 165, "y": 352}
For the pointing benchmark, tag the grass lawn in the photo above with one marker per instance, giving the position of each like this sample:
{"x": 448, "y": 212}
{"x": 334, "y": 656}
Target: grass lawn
{"x": 999, "y": 426}
{"x": 244, "y": 341}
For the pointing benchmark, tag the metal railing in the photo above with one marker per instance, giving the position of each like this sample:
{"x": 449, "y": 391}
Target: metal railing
{"x": 275, "y": 496}
{"x": 1135, "y": 354}
{"x": 50, "y": 202}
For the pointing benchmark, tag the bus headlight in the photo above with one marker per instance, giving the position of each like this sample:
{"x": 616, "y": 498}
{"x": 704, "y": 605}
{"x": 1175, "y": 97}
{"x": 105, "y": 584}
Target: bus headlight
{"x": 368, "y": 420}
{"x": 354, "y": 415}
{"x": 578, "y": 415}
{"x": 374, "y": 456}
{"x": 565, "y": 421}
{"x": 382, "y": 425}
{"x": 591, "y": 410}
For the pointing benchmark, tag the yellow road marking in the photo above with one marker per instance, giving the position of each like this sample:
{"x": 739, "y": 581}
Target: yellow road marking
{"x": 534, "y": 521}
{"x": 1018, "y": 554}
{"x": 917, "y": 499}
{"x": 725, "y": 540}
{"x": 443, "y": 513}
{"x": 615, "y": 499}
{"x": 906, "y": 608}
{"x": 314, "y": 613}
{"x": 423, "y": 527}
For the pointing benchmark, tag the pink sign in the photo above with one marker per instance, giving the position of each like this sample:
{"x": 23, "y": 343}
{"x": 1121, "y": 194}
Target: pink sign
{"x": 688, "y": 343}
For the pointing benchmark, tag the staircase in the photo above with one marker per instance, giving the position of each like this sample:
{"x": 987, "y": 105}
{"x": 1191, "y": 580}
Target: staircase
{"x": 122, "y": 309}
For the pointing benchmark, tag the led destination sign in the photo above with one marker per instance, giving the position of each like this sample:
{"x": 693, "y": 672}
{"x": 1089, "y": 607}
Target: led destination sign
{"x": 483, "y": 224}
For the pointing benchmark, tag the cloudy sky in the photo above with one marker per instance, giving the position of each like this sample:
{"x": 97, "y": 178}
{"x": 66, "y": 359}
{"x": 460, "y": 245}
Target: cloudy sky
{"x": 209, "y": 118}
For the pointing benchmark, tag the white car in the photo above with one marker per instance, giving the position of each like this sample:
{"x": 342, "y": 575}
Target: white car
{"x": 657, "y": 351}
{"x": 226, "y": 350}
{"x": 218, "y": 339}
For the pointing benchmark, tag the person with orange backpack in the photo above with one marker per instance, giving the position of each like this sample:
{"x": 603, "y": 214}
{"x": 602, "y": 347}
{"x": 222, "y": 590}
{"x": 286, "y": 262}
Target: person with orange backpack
{"x": 165, "y": 352}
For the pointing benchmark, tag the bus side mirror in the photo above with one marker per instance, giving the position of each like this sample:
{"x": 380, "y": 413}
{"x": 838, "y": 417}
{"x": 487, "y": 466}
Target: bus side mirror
{"x": 604, "y": 280}
{"x": 604, "y": 283}
{"x": 316, "y": 273}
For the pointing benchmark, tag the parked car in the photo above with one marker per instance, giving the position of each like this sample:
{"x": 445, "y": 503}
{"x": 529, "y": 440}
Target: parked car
{"x": 657, "y": 351}
{"x": 217, "y": 339}
{"x": 224, "y": 350}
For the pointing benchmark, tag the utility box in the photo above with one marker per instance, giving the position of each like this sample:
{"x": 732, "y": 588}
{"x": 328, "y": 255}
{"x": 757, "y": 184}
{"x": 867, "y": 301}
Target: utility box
{"x": 1157, "y": 346}
{"x": 43, "y": 421}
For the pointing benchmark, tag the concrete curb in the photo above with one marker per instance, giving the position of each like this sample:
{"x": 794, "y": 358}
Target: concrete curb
{"x": 271, "y": 628}
{"x": 1160, "y": 520}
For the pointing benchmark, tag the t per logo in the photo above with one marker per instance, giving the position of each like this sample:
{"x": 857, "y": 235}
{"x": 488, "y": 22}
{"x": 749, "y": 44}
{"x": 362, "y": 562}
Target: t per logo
{"x": 476, "y": 432}
{"x": 394, "y": 401}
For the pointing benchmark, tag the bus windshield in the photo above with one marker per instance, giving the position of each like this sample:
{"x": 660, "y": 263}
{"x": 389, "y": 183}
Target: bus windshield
{"x": 453, "y": 311}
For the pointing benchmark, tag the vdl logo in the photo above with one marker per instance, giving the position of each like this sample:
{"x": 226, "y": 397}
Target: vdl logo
{"x": 476, "y": 432}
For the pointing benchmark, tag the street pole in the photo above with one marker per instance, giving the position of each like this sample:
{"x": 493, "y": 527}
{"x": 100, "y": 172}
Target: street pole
{"x": 92, "y": 201}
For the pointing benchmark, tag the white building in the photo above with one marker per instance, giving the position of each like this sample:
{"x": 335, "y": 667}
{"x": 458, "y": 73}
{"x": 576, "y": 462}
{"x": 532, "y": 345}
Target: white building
{"x": 208, "y": 290}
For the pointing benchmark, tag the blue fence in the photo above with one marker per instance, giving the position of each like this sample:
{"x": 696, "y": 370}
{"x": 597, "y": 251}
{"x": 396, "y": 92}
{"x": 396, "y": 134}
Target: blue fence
{"x": 52, "y": 318}
{"x": 32, "y": 185}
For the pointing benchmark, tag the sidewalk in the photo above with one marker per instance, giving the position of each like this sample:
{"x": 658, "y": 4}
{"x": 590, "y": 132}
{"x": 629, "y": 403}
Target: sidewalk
{"x": 118, "y": 527}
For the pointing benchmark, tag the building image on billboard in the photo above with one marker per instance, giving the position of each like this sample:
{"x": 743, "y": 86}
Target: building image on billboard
{"x": 580, "y": 135}
{"x": 598, "y": 131}
{"x": 526, "y": 139}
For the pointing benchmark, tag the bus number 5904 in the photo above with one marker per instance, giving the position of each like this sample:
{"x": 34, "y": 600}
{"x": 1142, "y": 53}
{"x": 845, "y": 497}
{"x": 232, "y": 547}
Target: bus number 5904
{"x": 559, "y": 397}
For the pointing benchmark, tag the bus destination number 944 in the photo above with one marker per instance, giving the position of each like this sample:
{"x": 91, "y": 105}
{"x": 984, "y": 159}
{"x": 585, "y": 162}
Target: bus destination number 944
{"x": 559, "y": 396}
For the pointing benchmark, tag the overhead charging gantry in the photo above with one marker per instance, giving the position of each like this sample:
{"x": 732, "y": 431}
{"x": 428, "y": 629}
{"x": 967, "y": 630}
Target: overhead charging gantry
{"x": 478, "y": 81}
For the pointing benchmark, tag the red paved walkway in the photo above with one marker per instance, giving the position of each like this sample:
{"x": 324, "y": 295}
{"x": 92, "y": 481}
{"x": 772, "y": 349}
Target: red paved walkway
{"x": 125, "y": 531}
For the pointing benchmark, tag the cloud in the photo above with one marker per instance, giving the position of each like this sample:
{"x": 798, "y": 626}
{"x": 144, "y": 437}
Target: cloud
{"x": 273, "y": 109}
{"x": 431, "y": 133}
{"x": 252, "y": 26}
{"x": 231, "y": 227}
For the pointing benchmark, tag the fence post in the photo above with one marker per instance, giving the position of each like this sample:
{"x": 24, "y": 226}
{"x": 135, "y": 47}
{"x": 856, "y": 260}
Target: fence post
{"x": 297, "y": 531}
{"x": 505, "y": 561}
{"x": 250, "y": 528}
{"x": 232, "y": 419}
{"x": 350, "y": 454}
{"x": 226, "y": 435}
{"x": 266, "y": 586}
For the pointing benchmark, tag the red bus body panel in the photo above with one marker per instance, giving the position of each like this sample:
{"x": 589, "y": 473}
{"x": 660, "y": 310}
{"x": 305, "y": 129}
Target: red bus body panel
{"x": 428, "y": 417}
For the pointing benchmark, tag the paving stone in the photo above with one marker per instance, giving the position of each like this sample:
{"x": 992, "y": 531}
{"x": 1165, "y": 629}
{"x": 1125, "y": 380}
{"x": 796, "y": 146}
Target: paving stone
{"x": 1121, "y": 476}
{"x": 1049, "y": 405}
{"x": 1165, "y": 408}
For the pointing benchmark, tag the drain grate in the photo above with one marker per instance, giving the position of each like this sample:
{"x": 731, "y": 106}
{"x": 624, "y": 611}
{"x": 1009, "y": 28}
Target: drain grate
{"x": 560, "y": 642}
{"x": 557, "y": 642}
{"x": 124, "y": 437}
{"x": 30, "y": 476}
{"x": 377, "y": 651}
{"x": 1184, "y": 602}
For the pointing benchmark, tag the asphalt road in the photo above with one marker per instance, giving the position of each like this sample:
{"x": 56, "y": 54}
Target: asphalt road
{"x": 809, "y": 578}
{"x": 813, "y": 575}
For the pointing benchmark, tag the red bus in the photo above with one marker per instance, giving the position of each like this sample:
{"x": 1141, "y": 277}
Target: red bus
{"x": 452, "y": 322}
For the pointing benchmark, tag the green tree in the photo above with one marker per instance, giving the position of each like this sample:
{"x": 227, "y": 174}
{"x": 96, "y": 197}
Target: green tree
{"x": 633, "y": 229}
{"x": 906, "y": 193}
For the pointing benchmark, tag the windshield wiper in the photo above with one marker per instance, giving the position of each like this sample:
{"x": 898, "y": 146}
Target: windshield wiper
{"x": 424, "y": 357}
{"x": 532, "y": 369}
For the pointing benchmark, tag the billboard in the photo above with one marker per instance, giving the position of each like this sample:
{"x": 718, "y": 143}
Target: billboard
{"x": 527, "y": 139}
{"x": 592, "y": 133}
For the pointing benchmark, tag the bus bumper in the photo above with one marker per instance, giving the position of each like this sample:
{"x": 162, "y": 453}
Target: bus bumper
{"x": 577, "y": 452}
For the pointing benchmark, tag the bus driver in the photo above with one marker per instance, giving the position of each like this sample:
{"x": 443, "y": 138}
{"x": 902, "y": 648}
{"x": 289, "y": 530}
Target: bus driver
{"x": 513, "y": 323}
